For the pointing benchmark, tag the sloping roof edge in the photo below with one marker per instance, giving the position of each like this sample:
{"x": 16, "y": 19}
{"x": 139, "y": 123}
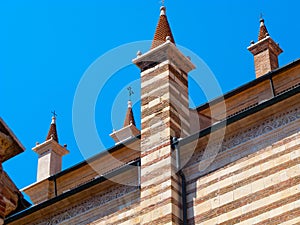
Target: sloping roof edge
{"x": 267, "y": 76}
{"x": 74, "y": 191}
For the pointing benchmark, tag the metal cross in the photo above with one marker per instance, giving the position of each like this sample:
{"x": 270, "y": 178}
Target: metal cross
{"x": 130, "y": 92}
{"x": 162, "y": 2}
{"x": 261, "y": 16}
{"x": 54, "y": 114}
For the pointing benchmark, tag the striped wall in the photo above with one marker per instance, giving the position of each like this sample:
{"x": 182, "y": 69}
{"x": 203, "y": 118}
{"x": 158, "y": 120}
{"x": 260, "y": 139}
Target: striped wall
{"x": 260, "y": 187}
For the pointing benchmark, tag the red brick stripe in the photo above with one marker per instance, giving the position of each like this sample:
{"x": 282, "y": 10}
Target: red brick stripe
{"x": 289, "y": 150}
{"x": 248, "y": 180}
{"x": 251, "y": 198}
{"x": 292, "y": 214}
{"x": 148, "y": 152}
{"x": 158, "y": 159}
{"x": 160, "y": 182}
{"x": 165, "y": 219}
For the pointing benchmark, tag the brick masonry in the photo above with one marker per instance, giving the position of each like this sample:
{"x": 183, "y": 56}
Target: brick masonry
{"x": 259, "y": 186}
{"x": 164, "y": 113}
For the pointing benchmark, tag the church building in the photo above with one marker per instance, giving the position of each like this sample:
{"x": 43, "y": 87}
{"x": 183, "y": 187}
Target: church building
{"x": 233, "y": 160}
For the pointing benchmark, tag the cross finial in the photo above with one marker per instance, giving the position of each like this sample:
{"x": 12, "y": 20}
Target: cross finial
{"x": 162, "y": 2}
{"x": 130, "y": 92}
{"x": 54, "y": 114}
{"x": 261, "y": 16}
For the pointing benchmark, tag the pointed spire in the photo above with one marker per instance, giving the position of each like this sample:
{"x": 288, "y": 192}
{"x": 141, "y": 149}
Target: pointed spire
{"x": 50, "y": 154}
{"x": 129, "y": 129}
{"x": 129, "y": 118}
{"x": 52, "y": 133}
{"x": 163, "y": 30}
{"x": 263, "y": 32}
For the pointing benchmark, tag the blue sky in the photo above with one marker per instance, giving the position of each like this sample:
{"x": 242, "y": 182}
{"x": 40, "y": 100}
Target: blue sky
{"x": 47, "y": 46}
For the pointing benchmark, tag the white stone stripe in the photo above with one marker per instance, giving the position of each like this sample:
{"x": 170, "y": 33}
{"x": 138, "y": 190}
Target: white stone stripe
{"x": 162, "y": 75}
{"x": 155, "y": 78}
{"x": 157, "y": 124}
{"x": 165, "y": 121}
{"x": 263, "y": 154}
{"x": 151, "y": 93}
{"x": 153, "y": 115}
{"x": 161, "y": 172}
{"x": 293, "y": 221}
{"x": 161, "y": 98}
{"x": 162, "y": 185}
{"x": 182, "y": 96}
{"x": 159, "y": 66}
{"x": 270, "y": 214}
{"x": 186, "y": 112}
{"x": 256, "y": 185}
{"x": 185, "y": 128}
{"x": 157, "y": 213}
{"x": 154, "y": 68}
{"x": 228, "y": 197}
{"x": 244, "y": 163}
{"x": 168, "y": 192}
{"x": 156, "y": 154}
{"x": 182, "y": 117}
{"x": 178, "y": 82}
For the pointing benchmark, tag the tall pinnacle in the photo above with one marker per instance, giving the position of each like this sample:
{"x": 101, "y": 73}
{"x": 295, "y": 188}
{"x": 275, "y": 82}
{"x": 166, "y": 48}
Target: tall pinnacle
{"x": 163, "y": 30}
{"x": 263, "y": 32}
{"x": 265, "y": 51}
{"x": 52, "y": 133}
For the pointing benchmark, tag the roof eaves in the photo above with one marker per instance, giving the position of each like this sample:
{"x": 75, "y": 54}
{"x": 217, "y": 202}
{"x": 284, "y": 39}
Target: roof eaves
{"x": 267, "y": 76}
{"x": 239, "y": 116}
{"x": 95, "y": 157}
{"x": 70, "y": 193}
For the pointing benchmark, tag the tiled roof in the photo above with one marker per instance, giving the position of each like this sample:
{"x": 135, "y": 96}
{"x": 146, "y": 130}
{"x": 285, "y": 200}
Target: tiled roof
{"x": 263, "y": 32}
{"x": 129, "y": 119}
{"x": 52, "y": 133}
{"x": 163, "y": 30}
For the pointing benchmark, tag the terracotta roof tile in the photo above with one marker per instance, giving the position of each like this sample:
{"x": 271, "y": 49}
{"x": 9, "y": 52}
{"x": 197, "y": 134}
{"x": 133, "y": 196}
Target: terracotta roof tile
{"x": 163, "y": 30}
{"x": 263, "y": 32}
{"x": 129, "y": 118}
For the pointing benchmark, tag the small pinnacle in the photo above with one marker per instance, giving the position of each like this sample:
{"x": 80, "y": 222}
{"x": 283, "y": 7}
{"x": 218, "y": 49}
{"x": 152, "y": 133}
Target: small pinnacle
{"x": 189, "y": 58}
{"x": 53, "y": 120}
{"x": 129, "y": 104}
{"x": 65, "y": 145}
{"x": 162, "y": 10}
{"x": 252, "y": 42}
{"x": 261, "y": 17}
{"x": 168, "y": 38}
{"x": 52, "y": 133}
{"x": 139, "y": 53}
{"x": 162, "y": 30}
